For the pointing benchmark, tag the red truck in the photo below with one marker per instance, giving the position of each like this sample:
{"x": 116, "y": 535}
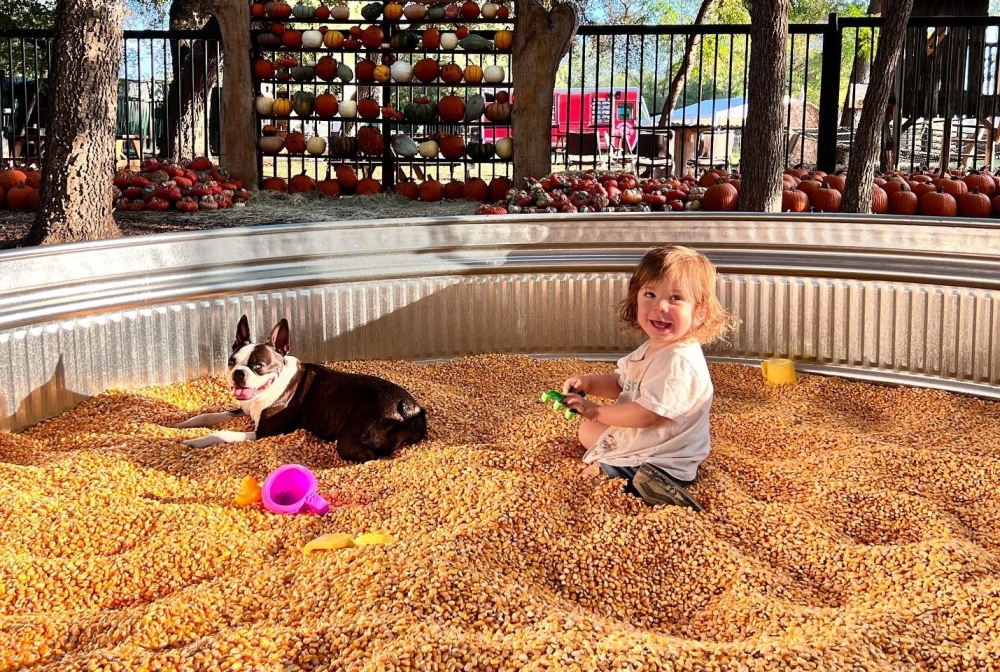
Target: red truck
{"x": 612, "y": 113}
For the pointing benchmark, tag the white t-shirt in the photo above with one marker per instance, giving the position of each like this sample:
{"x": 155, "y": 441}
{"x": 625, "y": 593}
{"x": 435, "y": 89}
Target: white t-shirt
{"x": 674, "y": 383}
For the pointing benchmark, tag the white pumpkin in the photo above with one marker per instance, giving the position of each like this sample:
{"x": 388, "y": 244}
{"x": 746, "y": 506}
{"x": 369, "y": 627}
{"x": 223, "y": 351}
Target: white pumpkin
{"x": 340, "y": 11}
{"x": 312, "y": 39}
{"x": 489, "y": 10}
{"x": 263, "y": 105}
{"x": 449, "y": 40}
{"x": 428, "y": 149}
{"x": 401, "y": 71}
{"x": 505, "y": 148}
{"x": 316, "y": 145}
{"x": 415, "y": 12}
{"x": 494, "y": 73}
{"x": 348, "y": 108}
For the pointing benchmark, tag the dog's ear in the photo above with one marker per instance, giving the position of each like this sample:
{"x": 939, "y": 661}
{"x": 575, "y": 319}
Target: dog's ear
{"x": 242, "y": 334}
{"x": 279, "y": 337}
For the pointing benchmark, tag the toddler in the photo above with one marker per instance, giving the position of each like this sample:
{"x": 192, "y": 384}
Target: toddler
{"x": 657, "y": 434}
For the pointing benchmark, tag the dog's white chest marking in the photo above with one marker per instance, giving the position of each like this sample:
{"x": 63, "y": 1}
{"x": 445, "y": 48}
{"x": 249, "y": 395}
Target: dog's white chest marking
{"x": 254, "y": 407}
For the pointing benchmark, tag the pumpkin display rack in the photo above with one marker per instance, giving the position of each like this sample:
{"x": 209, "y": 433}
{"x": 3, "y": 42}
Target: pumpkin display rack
{"x": 407, "y": 85}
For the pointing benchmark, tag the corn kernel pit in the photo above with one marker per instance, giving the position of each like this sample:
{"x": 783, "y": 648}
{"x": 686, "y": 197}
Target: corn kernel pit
{"x": 846, "y": 526}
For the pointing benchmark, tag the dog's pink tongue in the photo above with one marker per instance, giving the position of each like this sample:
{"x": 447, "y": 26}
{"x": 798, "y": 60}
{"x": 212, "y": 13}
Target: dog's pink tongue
{"x": 243, "y": 393}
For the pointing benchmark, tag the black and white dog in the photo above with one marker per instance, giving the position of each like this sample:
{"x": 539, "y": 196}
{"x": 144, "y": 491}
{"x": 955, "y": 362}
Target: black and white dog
{"x": 367, "y": 416}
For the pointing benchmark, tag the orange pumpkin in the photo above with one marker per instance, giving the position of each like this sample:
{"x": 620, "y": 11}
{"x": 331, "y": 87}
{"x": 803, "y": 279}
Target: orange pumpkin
{"x": 426, "y": 70}
{"x": 451, "y": 108}
{"x": 291, "y": 39}
{"x": 880, "y": 200}
{"x": 408, "y": 190}
{"x": 503, "y": 39}
{"x": 368, "y": 108}
{"x": 432, "y": 38}
{"x": 275, "y": 184}
{"x": 392, "y": 11}
{"x": 328, "y": 187}
{"x": 720, "y": 197}
{"x": 431, "y": 191}
{"x": 451, "y": 73}
{"x": 826, "y": 199}
{"x": 11, "y": 177}
{"x": 903, "y": 200}
{"x": 794, "y": 200}
{"x": 372, "y": 37}
{"x": 382, "y": 73}
{"x": 462, "y": 32}
{"x": 454, "y": 190}
{"x": 333, "y": 39}
{"x": 974, "y": 204}
{"x": 326, "y": 68}
{"x": 365, "y": 70}
{"x": 473, "y": 73}
{"x": 347, "y": 178}
{"x": 476, "y": 189}
{"x": 452, "y": 146}
{"x": 499, "y": 186}
{"x": 301, "y": 184}
{"x": 17, "y": 196}
{"x": 295, "y": 142}
{"x": 938, "y": 204}
{"x": 368, "y": 186}
{"x": 263, "y": 68}
{"x": 326, "y": 105}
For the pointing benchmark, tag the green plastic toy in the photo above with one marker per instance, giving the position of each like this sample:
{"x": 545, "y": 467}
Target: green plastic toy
{"x": 557, "y": 397}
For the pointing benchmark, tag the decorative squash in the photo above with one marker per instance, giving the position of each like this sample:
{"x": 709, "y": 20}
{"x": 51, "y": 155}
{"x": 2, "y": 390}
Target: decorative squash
{"x": 408, "y": 189}
{"x": 271, "y": 144}
{"x": 401, "y": 71}
{"x": 348, "y": 109}
{"x": 476, "y": 189}
{"x": 451, "y": 73}
{"x": 431, "y": 38}
{"x": 454, "y": 190}
{"x": 494, "y": 74}
{"x": 302, "y": 102}
{"x": 505, "y": 148}
{"x": 343, "y": 145}
{"x": 326, "y": 68}
{"x": 392, "y": 11}
{"x": 498, "y": 113}
{"x": 403, "y": 145}
{"x": 282, "y": 107}
{"x": 429, "y": 149}
{"x": 268, "y": 41}
{"x": 368, "y": 186}
{"x": 473, "y": 73}
{"x": 344, "y": 72}
{"x": 415, "y": 12}
{"x": 435, "y": 12}
{"x": 316, "y": 145}
{"x": 347, "y": 178}
{"x": 312, "y": 39}
{"x": 421, "y": 110}
{"x": 382, "y": 73}
{"x": 340, "y": 11}
{"x": 371, "y": 11}
{"x": 426, "y": 70}
{"x": 303, "y": 12}
{"x": 452, "y": 11}
{"x": 489, "y": 10}
{"x": 295, "y": 142}
{"x": 451, "y": 108}
{"x": 368, "y": 108}
{"x": 370, "y": 141}
{"x": 301, "y": 184}
{"x": 480, "y": 151}
{"x": 475, "y": 105}
{"x": 472, "y": 42}
{"x": 449, "y": 41}
{"x": 503, "y": 39}
{"x": 334, "y": 39}
{"x": 452, "y": 146}
{"x": 263, "y": 105}
{"x": 404, "y": 41}
{"x": 372, "y": 37}
{"x": 431, "y": 191}
{"x": 302, "y": 73}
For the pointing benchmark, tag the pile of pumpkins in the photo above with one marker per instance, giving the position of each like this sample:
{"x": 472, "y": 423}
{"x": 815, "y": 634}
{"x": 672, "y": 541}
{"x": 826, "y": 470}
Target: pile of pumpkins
{"x": 186, "y": 185}
{"x": 346, "y": 181}
{"x": 19, "y": 188}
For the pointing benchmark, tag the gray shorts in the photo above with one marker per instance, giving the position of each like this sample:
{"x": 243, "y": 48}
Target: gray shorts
{"x": 628, "y": 473}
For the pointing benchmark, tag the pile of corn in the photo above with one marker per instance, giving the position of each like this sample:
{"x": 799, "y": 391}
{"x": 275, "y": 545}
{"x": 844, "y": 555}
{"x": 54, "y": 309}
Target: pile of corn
{"x": 846, "y": 526}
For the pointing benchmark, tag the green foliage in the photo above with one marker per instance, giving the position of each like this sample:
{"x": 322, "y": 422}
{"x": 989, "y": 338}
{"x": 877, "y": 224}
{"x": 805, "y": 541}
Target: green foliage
{"x": 25, "y": 14}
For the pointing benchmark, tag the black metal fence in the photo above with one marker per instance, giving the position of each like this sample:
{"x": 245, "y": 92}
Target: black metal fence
{"x": 611, "y": 90}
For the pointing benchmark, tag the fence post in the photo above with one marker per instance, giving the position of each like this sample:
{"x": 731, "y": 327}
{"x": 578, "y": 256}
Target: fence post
{"x": 829, "y": 97}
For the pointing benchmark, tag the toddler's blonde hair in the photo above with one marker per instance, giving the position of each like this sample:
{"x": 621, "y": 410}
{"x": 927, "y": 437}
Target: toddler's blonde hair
{"x": 697, "y": 274}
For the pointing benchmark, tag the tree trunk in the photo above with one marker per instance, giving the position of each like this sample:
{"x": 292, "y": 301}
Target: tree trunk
{"x": 686, "y": 62}
{"x": 75, "y": 200}
{"x": 194, "y": 76}
{"x": 762, "y": 151}
{"x": 864, "y": 153}
{"x": 238, "y": 142}
{"x": 541, "y": 38}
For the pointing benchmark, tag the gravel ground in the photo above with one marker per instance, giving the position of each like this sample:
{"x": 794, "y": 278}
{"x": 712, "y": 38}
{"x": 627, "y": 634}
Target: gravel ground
{"x": 263, "y": 209}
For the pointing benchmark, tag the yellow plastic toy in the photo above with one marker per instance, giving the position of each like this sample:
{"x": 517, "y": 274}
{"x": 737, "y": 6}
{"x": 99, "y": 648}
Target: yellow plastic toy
{"x": 249, "y": 493}
{"x": 338, "y": 540}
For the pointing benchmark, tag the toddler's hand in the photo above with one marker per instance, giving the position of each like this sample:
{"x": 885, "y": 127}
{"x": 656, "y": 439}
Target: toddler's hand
{"x": 591, "y": 470}
{"x": 575, "y": 384}
{"x": 586, "y": 409}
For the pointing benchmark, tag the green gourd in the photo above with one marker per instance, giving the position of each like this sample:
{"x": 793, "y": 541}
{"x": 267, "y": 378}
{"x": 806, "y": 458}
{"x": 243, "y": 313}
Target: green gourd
{"x": 302, "y": 73}
{"x": 420, "y": 112}
{"x": 473, "y": 42}
{"x": 404, "y": 40}
{"x": 372, "y": 11}
{"x": 480, "y": 151}
{"x": 303, "y": 12}
{"x": 404, "y": 146}
{"x": 475, "y": 105}
{"x": 343, "y": 145}
{"x": 302, "y": 103}
{"x": 344, "y": 72}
